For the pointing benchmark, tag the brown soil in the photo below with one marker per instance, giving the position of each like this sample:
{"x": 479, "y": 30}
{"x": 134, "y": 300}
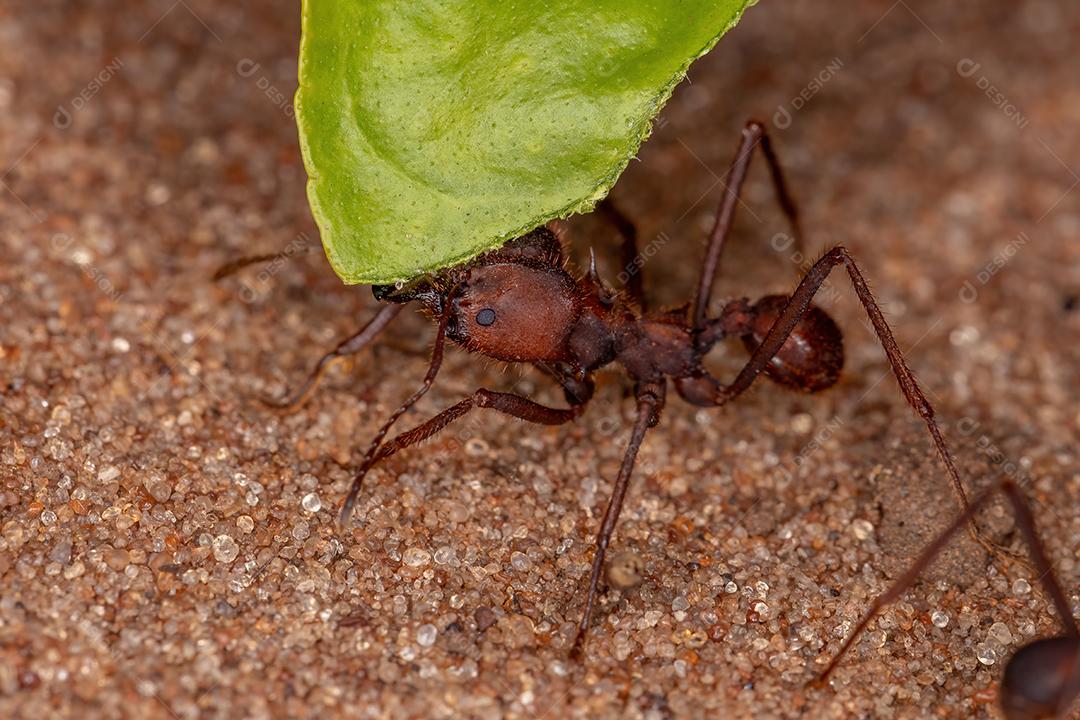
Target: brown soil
{"x": 169, "y": 547}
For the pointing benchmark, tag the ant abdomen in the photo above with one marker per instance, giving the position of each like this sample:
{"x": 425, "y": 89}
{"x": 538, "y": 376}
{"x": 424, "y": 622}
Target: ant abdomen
{"x": 1040, "y": 680}
{"x": 812, "y": 357}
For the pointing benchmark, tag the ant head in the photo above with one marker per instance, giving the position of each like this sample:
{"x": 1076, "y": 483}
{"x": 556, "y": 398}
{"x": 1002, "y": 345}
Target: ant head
{"x": 516, "y": 310}
{"x": 515, "y": 303}
{"x": 812, "y": 357}
{"x": 1041, "y": 680}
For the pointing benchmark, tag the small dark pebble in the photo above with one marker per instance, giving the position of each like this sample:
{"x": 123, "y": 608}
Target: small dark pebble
{"x": 626, "y": 570}
{"x": 484, "y": 617}
{"x": 358, "y": 617}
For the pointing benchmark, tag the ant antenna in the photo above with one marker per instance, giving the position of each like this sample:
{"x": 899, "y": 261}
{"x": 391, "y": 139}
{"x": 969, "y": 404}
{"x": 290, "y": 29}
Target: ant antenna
{"x": 373, "y": 455}
{"x": 234, "y": 266}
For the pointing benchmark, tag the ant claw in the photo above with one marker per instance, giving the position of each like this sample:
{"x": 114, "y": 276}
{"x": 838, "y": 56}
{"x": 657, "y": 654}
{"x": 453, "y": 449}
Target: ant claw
{"x": 288, "y": 402}
{"x": 998, "y": 550}
{"x": 343, "y": 519}
{"x": 576, "y": 649}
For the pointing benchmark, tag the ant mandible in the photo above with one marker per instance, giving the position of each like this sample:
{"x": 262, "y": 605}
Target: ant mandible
{"x": 1042, "y": 679}
{"x": 518, "y": 304}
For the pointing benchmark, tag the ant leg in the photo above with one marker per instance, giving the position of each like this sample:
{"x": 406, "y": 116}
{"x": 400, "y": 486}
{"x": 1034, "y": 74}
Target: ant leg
{"x": 650, "y": 400}
{"x": 429, "y": 379}
{"x": 508, "y": 403}
{"x": 635, "y": 282}
{"x": 1022, "y": 511}
{"x": 1026, "y": 520}
{"x": 349, "y": 346}
{"x": 797, "y": 307}
{"x": 752, "y": 135}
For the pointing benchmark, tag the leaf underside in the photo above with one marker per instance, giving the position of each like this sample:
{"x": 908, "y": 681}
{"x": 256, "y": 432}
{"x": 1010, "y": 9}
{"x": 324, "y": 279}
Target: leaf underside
{"x": 433, "y": 130}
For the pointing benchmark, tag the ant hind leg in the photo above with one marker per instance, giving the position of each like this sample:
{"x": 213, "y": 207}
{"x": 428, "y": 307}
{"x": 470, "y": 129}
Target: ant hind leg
{"x": 797, "y": 307}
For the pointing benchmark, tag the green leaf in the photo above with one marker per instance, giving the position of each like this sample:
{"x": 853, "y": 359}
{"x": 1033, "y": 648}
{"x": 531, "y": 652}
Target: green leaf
{"x": 433, "y": 130}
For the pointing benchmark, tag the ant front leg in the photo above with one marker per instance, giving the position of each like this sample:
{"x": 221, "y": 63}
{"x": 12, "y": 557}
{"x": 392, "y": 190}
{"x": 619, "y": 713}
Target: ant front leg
{"x": 824, "y": 338}
{"x": 349, "y": 346}
{"x": 650, "y": 401}
{"x": 507, "y": 403}
{"x": 753, "y": 135}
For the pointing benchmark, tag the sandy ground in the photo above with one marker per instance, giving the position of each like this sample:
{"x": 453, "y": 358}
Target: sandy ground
{"x": 169, "y": 547}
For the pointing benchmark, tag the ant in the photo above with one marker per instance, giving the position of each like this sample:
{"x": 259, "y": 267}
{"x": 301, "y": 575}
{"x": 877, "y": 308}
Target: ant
{"x": 519, "y": 304}
{"x": 1042, "y": 679}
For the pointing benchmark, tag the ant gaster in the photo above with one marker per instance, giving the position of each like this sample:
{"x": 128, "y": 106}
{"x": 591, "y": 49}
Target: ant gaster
{"x": 519, "y": 304}
{"x": 1042, "y": 679}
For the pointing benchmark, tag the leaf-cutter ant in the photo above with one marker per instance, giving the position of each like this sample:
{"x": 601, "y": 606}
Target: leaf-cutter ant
{"x": 1042, "y": 678}
{"x": 519, "y": 304}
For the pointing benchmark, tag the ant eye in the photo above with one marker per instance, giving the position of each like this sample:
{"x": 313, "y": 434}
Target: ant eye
{"x": 485, "y": 317}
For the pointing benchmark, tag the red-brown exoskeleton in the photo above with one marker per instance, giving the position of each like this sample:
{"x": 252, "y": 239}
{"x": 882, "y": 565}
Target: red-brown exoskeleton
{"x": 519, "y": 304}
{"x": 1041, "y": 679}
